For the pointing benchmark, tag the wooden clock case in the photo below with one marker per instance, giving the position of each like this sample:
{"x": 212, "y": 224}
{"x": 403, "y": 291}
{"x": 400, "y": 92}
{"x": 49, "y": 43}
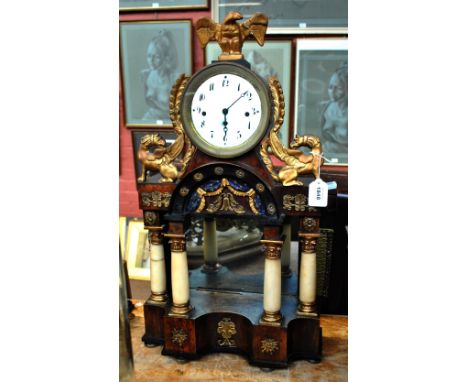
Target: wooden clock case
{"x": 228, "y": 318}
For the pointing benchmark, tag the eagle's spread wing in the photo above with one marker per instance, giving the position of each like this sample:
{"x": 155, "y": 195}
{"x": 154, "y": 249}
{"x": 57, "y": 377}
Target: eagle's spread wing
{"x": 256, "y": 26}
{"x": 207, "y": 30}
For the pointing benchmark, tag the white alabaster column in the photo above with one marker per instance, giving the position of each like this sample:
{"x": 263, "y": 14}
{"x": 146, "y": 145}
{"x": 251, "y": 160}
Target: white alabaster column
{"x": 308, "y": 280}
{"x": 157, "y": 266}
{"x": 210, "y": 245}
{"x": 179, "y": 276}
{"x": 272, "y": 283}
{"x": 158, "y": 269}
{"x": 308, "y": 275}
{"x": 180, "y": 280}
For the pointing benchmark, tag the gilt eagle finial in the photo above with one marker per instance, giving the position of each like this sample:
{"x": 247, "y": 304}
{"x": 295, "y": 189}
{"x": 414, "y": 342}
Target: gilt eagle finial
{"x": 230, "y": 35}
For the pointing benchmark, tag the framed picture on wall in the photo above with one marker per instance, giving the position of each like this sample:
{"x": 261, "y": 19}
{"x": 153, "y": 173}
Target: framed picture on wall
{"x": 271, "y": 59}
{"x": 290, "y": 16}
{"x": 160, "y": 5}
{"x": 137, "y": 251}
{"x": 153, "y": 55}
{"x": 322, "y": 94}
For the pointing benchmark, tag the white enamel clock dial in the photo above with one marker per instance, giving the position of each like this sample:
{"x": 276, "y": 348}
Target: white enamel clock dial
{"x": 226, "y": 110}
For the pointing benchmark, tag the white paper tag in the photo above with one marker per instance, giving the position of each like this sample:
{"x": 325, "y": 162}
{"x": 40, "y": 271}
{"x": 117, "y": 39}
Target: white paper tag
{"x": 155, "y": 5}
{"x": 159, "y": 122}
{"x": 302, "y": 25}
{"x": 318, "y": 193}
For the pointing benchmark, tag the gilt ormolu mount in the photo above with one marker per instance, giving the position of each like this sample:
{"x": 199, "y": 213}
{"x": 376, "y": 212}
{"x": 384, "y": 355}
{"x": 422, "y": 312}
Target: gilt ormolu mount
{"x": 220, "y": 165}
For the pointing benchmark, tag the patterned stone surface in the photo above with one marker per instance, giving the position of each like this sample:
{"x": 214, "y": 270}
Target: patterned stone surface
{"x": 151, "y": 366}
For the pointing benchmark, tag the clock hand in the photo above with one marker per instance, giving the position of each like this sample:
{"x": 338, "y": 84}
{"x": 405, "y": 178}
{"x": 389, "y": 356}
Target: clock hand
{"x": 225, "y": 129}
{"x": 242, "y": 95}
{"x": 226, "y": 110}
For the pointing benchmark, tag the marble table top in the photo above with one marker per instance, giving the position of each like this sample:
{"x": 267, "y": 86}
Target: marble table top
{"x": 150, "y": 365}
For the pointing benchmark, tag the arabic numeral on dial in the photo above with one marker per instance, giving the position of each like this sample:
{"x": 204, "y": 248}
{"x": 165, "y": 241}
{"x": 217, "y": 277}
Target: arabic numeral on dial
{"x": 238, "y": 87}
{"x": 199, "y": 110}
{"x": 239, "y": 135}
{"x": 201, "y": 97}
{"x": 211, "y": 86}
{"x": 225, "y": 82}
{"x": 255, "y": 111}
{"x": 202, "y": 124}
{"x": 211, "y": 133}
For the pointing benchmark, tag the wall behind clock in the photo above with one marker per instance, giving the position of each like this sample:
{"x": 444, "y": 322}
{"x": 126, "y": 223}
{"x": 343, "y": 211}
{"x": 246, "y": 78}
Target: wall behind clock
{"x": 128, "y": 195}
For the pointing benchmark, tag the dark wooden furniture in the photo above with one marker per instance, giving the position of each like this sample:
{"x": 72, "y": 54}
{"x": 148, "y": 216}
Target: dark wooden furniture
{"x": 228, "y": 318}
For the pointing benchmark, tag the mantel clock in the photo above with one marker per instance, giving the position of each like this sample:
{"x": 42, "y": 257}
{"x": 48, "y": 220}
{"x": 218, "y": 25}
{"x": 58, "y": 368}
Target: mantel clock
{"x": 227, "y": 121}
{"x": 226, "y": 109}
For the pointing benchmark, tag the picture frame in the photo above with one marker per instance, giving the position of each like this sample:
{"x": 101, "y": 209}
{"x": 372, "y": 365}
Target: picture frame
{"x": 169, "y": 136}
{"x": 273, "y": 58}
{"x": 321, "y": 94}
{"x": 162, "y": 5}
{"x": 122, "y": 234}
{"x": 137, "y": 249}
{"x": 290, "y": 16}
{"x": 153, "y": 54}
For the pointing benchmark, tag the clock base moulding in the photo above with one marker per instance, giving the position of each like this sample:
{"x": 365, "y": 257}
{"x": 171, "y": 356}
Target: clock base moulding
{"x": 220, "y": 323}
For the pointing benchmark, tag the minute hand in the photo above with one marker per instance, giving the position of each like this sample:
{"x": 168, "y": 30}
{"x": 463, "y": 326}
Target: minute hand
{"x": 242, "y": 95}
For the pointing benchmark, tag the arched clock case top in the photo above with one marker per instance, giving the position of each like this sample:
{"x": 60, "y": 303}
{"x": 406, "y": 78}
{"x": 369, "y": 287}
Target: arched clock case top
{"x": 212, "y": 181}
{"x": 249, "y": 78}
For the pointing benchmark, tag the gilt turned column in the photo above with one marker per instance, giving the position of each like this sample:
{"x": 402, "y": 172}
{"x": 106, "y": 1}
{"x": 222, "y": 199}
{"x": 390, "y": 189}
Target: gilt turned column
{"x": 308, "y": 275}
{"x": 272, "y": 283}
{"x": 157, "y": 266}
{"x": 179, "y": 276}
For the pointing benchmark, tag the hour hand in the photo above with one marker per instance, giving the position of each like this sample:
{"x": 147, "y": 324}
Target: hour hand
{"x": 225, "y": 129}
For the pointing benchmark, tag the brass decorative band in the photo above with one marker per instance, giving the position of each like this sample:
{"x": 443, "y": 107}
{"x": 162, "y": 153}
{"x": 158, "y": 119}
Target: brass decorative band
{"x": 240, "y": 173}
{"x": 156, "y": 199}
{"x": 151, "y": 218}
{"x": 179, "y": 336}
{"x": 184, "y": 191}
{"x": 296, "y": 202}
{"x": 307, "y": 309}
{"x": 309, "y": 224}
{"x": 158, "y": 297}
{"x": 271, "y": 318}
{"x": 227, "y": 329}
{"x": 176, "y": 241}
{"x": 269, "y": 345}
{"x": 225, "y": 184}
{"x": 272, "y": 249}
{"x": 198, "y": 176}
{"x": 226, "y": 202}
{"x": 309, "y": 241}
{"x": 260, "y": 187}
{"x": 271, "y": 209}
{"x": 180, "y": 309}
{"x": 155, "y": 235}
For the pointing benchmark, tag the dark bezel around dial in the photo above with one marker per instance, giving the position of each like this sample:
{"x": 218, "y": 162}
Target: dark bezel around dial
{"x": 186, "y": 105}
